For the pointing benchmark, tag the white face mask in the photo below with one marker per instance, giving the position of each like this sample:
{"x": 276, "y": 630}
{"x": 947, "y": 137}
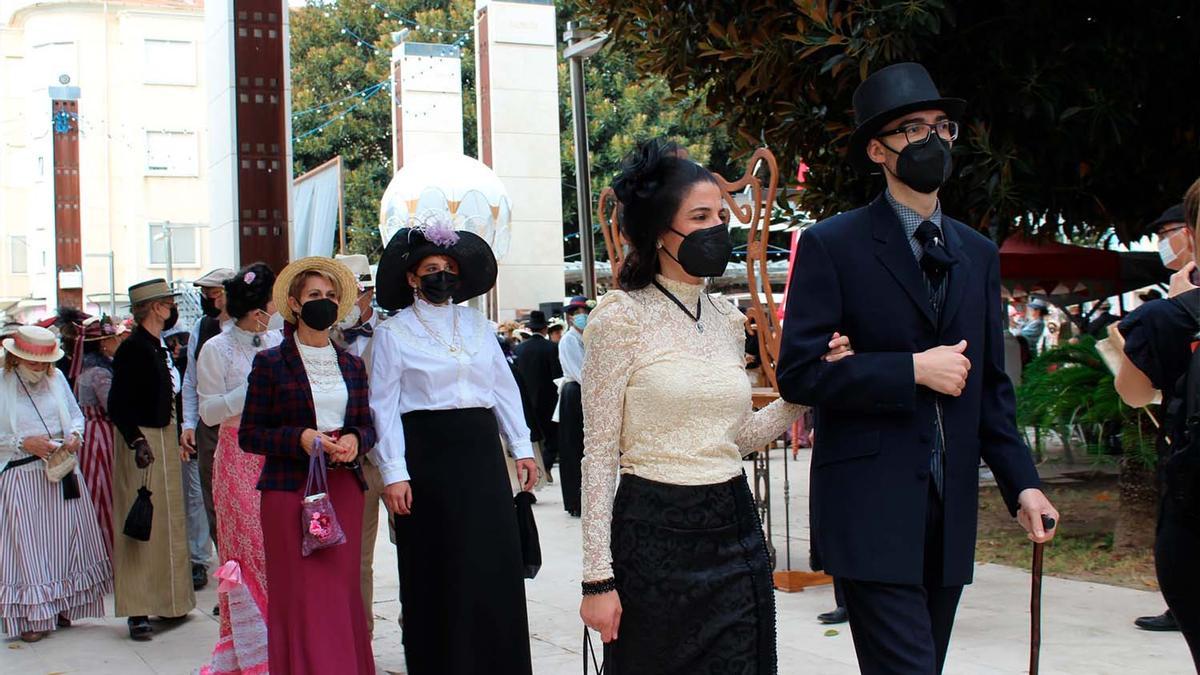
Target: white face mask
{"x": 276, "y": 322}
{"x": 351, "y": 319}
{"x": 1166, "y": 252}
{"x": 30, "y": 375}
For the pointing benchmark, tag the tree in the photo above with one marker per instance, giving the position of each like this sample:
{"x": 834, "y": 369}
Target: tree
{"x": 1081, "y": 117}
{"x": 340, "y": 56}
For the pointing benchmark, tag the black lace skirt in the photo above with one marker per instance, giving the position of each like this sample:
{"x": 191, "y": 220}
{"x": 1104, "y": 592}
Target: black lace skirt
{"x": 694, "y": 580}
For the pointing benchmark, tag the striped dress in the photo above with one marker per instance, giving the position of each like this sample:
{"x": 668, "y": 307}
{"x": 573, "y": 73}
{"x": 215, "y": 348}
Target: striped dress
{"x": 52, "y": 557}
{"x": 96, "y": 456}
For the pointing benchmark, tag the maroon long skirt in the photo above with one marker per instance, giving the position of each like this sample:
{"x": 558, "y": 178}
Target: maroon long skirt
{"x": 316, "y": 623}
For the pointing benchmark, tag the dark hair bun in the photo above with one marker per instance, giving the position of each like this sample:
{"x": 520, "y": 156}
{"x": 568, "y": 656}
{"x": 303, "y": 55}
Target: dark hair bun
{"x": 250, "y": 289}
{"x": 642, "y": 170}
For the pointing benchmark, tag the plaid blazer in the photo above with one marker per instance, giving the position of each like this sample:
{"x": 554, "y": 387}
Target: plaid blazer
{"x": 279, "y": 407}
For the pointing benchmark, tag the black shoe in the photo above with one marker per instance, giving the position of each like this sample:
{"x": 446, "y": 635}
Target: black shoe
{"x": 839, "y": 615}
{"x": 199, "y": 576}
{"x": 1162, "y": 622}
{"x": 217, "y": 610}
{"x": 140, "y": 628}
{"x": 574, "y": 513}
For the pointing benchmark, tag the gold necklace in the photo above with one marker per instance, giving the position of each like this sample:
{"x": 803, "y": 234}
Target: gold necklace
{"x": 453, "y": 345}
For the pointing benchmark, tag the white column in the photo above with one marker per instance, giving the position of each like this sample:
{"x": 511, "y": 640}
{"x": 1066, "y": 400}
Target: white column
{"x": 219, "y": 31}
{"x": 428, "y": 100}
{"x": 517, "y": 73}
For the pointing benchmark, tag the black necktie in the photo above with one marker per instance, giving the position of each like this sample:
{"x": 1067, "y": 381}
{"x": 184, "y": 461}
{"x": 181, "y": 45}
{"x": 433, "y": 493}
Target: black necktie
{"x": 937, "y": 259}
{"x": 362, "y": 330}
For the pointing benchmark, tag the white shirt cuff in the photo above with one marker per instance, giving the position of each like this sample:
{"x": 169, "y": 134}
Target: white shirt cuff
{"x": 522, "y": 450}
{"x": 393, "y": 472}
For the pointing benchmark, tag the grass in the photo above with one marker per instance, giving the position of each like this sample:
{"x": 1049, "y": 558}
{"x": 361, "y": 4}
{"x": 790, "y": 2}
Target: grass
{"x": 1083, "y": 548}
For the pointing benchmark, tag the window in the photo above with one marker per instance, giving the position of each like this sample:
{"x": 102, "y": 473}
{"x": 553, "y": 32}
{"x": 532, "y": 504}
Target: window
{"x": 171, "y": 153}
{"x": 169, "y": 62}
{"x": 19, "y": 250}
{"x": 183, "y": 244}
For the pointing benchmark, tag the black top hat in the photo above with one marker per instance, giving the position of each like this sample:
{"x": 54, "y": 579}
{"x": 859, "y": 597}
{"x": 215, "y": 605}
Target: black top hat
{"x": 537, "y": 320}
{"x": 888, "y": 94}
{"x": 409, "y": 246}
{"x": 1171, "y": 215}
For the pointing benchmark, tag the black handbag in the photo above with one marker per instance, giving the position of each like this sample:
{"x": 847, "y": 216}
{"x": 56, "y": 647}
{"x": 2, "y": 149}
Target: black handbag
{"x": 141, "y": 514}
{"x": 531, "y": 547}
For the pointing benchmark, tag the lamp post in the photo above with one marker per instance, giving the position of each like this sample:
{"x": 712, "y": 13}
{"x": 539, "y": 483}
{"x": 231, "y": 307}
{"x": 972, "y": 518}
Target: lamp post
{"x": 580, "y": 45}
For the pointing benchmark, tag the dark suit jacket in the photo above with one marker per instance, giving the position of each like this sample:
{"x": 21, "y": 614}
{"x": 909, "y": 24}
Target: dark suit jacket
{"x": 537, "y": 361}
{"x": 141, "y": 394}
{"x": 856, "y": 274}
{"x": 279, "y": 408}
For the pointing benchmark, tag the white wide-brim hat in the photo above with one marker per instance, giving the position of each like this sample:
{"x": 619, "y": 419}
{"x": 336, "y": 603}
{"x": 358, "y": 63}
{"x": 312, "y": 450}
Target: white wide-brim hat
{"x": 34, "y": 343}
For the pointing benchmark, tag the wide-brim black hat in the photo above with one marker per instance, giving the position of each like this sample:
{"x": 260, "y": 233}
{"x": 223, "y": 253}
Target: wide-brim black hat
{"x": 408, "y": 247}
{"x": 888, "y": 94}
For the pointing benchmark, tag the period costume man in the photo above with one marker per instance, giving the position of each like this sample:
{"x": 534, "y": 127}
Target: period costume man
{"x": 903, "y": 422}
{"x": 537, "y": 361}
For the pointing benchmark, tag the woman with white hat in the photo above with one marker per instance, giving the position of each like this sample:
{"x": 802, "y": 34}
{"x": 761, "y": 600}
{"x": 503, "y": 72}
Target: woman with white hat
{"x": 153, "y": 578}
{"x": 442, "y": 395}
{"x": 53, "y": 565}
{"x": 99, "y": 338}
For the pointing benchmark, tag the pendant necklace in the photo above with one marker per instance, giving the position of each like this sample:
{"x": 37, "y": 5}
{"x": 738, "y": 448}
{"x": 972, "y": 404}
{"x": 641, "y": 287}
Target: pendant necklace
{"x": 694, "y": 317}
{"x": 452, "y": 346}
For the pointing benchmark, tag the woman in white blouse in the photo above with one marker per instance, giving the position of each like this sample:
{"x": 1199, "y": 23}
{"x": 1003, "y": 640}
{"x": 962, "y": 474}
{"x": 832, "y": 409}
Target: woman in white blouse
{"x": 221, "y": 387}
{"x": 53, "y": 563}
{"x": 442, "y": 395}
{"x": 676, "y": 576}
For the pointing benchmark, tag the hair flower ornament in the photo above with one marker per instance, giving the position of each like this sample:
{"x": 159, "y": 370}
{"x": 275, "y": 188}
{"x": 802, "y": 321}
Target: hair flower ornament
{"x": 248, "y": 278}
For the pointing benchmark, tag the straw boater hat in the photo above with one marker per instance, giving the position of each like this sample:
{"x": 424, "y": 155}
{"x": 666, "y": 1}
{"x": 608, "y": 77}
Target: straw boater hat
{"x": 360, "y": 266}
{"x": 343, "y": 281}
{"x": 154, "y": 289}
{"x": 435, "y": 236}
{"x": 34, "y": 343}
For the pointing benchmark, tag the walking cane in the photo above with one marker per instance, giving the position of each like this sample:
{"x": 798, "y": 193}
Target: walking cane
{"x": 1035, "y": 601}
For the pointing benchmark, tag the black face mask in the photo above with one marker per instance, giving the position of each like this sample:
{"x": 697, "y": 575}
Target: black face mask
{"x": 925, "y": 167}
{"x": 209, "y": 307}
{"x": 172, "y": 319}
{"x": 439, "y": 286}
{"x": 319, "y": 314}
{"x": 705, "y": 253}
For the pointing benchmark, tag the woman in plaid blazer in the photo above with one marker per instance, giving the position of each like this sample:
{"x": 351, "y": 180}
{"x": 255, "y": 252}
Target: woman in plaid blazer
{"x": 306, "y": 396}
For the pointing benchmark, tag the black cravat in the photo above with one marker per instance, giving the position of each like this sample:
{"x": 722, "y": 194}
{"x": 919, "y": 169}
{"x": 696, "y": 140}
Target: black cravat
{"x": 937, "y": 259}
{"x": 935, "y": 263}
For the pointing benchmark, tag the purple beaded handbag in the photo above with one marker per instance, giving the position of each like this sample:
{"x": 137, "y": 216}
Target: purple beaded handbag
{"x": 319, "y": 522}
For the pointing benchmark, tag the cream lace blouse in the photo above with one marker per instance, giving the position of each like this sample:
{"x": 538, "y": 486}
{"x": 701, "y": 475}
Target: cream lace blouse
{"x": 665, "y": 401}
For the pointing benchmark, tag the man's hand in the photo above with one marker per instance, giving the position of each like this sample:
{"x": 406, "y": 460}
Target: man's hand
{"x": 143, "y": 456}
{"x": 527, "y": 473}
{"x": 397, "y": 497}
{"x": 943, "y": 369}
{"x": 1181, "y": 281}
{"x": 839, "y": 348}
{"x": 187, "y": 441}
{"x": 1033, "y": 505}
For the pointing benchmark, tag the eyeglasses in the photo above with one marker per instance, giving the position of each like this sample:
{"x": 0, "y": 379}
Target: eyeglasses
{"x": 917, "y": 133}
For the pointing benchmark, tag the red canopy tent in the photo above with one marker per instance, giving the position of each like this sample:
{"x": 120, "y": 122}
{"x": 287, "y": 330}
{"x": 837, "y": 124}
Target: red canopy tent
{"x": 1067, "y": 275}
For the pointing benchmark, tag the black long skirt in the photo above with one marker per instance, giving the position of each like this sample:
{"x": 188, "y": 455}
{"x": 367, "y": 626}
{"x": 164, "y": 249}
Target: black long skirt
{"x": 694, "y": 580}
{"x": 570, "y": 445}
{"x": 461, "y": 581}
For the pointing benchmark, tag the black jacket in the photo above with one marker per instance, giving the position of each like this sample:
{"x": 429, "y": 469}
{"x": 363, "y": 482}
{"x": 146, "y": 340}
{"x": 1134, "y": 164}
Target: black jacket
{"x": 537, "y": 361}
{"x": 141, "y": 393}
{"x": 856, "y": 274}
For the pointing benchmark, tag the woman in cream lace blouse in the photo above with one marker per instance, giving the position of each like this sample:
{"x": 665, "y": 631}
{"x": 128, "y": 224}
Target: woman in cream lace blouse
{"x": 676, "y": 575}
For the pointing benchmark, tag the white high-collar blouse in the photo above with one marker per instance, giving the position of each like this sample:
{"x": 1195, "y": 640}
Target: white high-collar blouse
{"x": 413, "y": 368}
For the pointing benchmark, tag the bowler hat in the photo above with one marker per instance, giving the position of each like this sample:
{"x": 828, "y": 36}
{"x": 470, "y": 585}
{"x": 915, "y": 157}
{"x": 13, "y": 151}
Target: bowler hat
{"x": 888, "y": 94}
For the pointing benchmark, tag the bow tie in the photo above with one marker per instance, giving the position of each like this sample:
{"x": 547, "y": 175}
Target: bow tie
{"x": 937, "y": 259}
{"x": 361, "y": 330}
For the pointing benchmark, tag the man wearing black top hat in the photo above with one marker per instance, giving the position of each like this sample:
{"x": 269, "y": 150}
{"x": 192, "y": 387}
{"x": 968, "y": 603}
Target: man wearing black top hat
{"x": 904, "y": 419}
{"x": 537, "y": 361}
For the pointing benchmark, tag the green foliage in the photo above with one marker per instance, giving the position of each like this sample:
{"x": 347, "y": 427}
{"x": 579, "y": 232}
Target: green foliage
{"x": 1079, "y": 112}
{"x": 1070, "y": 385}
{"x": 327, "y": 65}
